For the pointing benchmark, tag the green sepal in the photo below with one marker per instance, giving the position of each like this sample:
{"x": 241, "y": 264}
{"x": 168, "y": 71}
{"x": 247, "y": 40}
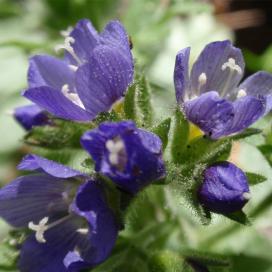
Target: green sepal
{"x": 239, "y": 217}
{"x": 246, "y": 133}
{"x": 205, "y": 259}
{"x": 266, "y": 150}
{"x": 254, "y": 179}
{"x": 58, "y": 135}
{"x": 111, "y": 116}
{"x": 178, "y": 137}
{"x": 206, "y": 151}
{"x": 137, "y": 104}
{"x": 185, "y": 183}
{"x": 166, "y": 261}
{"x": 162, "y": 131}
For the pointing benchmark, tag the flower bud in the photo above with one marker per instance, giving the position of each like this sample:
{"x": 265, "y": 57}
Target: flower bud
{"x": 224, "y": 189}
{"x": 30, "y": 115}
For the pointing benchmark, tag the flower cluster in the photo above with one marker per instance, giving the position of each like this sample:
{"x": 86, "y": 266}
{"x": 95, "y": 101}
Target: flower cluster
{"x": 70, "y": 220}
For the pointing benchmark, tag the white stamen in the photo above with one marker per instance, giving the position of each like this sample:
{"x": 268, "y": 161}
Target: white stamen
{"x": 40, "y": 229}
{"x": 246, "y": 195}
{"x": 68, "y": 47}
{"x": 114, "y": 147}
{"x": 72, "y": 96}
{"x": 231, "y": 64}
{"x": 73, "y": 67}
{"x": 202, "y": 79}
{"x": 66, "y": 32}
{"x": 83, "y": 231}
{"x": 241, "y": 93}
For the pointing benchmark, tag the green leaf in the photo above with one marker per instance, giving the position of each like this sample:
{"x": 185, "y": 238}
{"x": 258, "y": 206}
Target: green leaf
{"x": 178, "y": 136}
{"x": 137, "y": 104}
{"x": 162, "y": 131}
{"x": 246, "y": 263}
{"x": 254, "y": 179}
{"x": 239, "y": 217}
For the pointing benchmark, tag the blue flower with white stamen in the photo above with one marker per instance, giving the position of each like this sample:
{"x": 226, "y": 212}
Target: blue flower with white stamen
{"x": 94, "y": 74}
{"x": 72, "y": 228}
{"x": 211, "y": 97}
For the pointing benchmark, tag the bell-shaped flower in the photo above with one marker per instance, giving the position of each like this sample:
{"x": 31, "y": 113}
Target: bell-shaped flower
{"x": 129, "y": 156}
{"x": 224, "y": 188}
{"x": 212, "y": 96}
{"x": 71, "y": 228}
{"x": 94, "y": 74}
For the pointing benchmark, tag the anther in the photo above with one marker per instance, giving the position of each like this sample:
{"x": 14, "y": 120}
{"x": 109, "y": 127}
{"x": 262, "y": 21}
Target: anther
{"x": 231, "y": 64}
{"x": 241, "y": 93}
{"x": 202, "y": 79}
{"x": 83, "y": 231}
{"x": 66, "y": 32}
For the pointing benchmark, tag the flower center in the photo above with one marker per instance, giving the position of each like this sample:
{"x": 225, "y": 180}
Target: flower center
{"x": 117, "y": 153}
{"x": 72, "y": 96}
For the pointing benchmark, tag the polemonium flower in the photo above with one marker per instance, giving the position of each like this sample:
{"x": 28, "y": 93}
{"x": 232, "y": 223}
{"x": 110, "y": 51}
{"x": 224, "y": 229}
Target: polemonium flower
{"x": 94, "y": 74}
{"x": 211, "y": 95}
{"x": 72, "y": 229}
{"x": 129, "y": 156}
{"x": 30, "y": 116}
{"x": 224, "y": 188}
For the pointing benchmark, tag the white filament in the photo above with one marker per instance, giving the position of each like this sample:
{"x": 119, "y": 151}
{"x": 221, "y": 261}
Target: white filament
{"x": 72, "y": 96}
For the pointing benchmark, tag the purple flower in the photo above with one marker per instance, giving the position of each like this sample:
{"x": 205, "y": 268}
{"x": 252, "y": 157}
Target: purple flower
{"x": 30, "y": 116}
{"x": 211, "y": 96}
{"x": 224, "y": 189}
{"x": 94, "y": 74}
{"x": 130, "y": 157}
{"x": 69, "y": 233}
